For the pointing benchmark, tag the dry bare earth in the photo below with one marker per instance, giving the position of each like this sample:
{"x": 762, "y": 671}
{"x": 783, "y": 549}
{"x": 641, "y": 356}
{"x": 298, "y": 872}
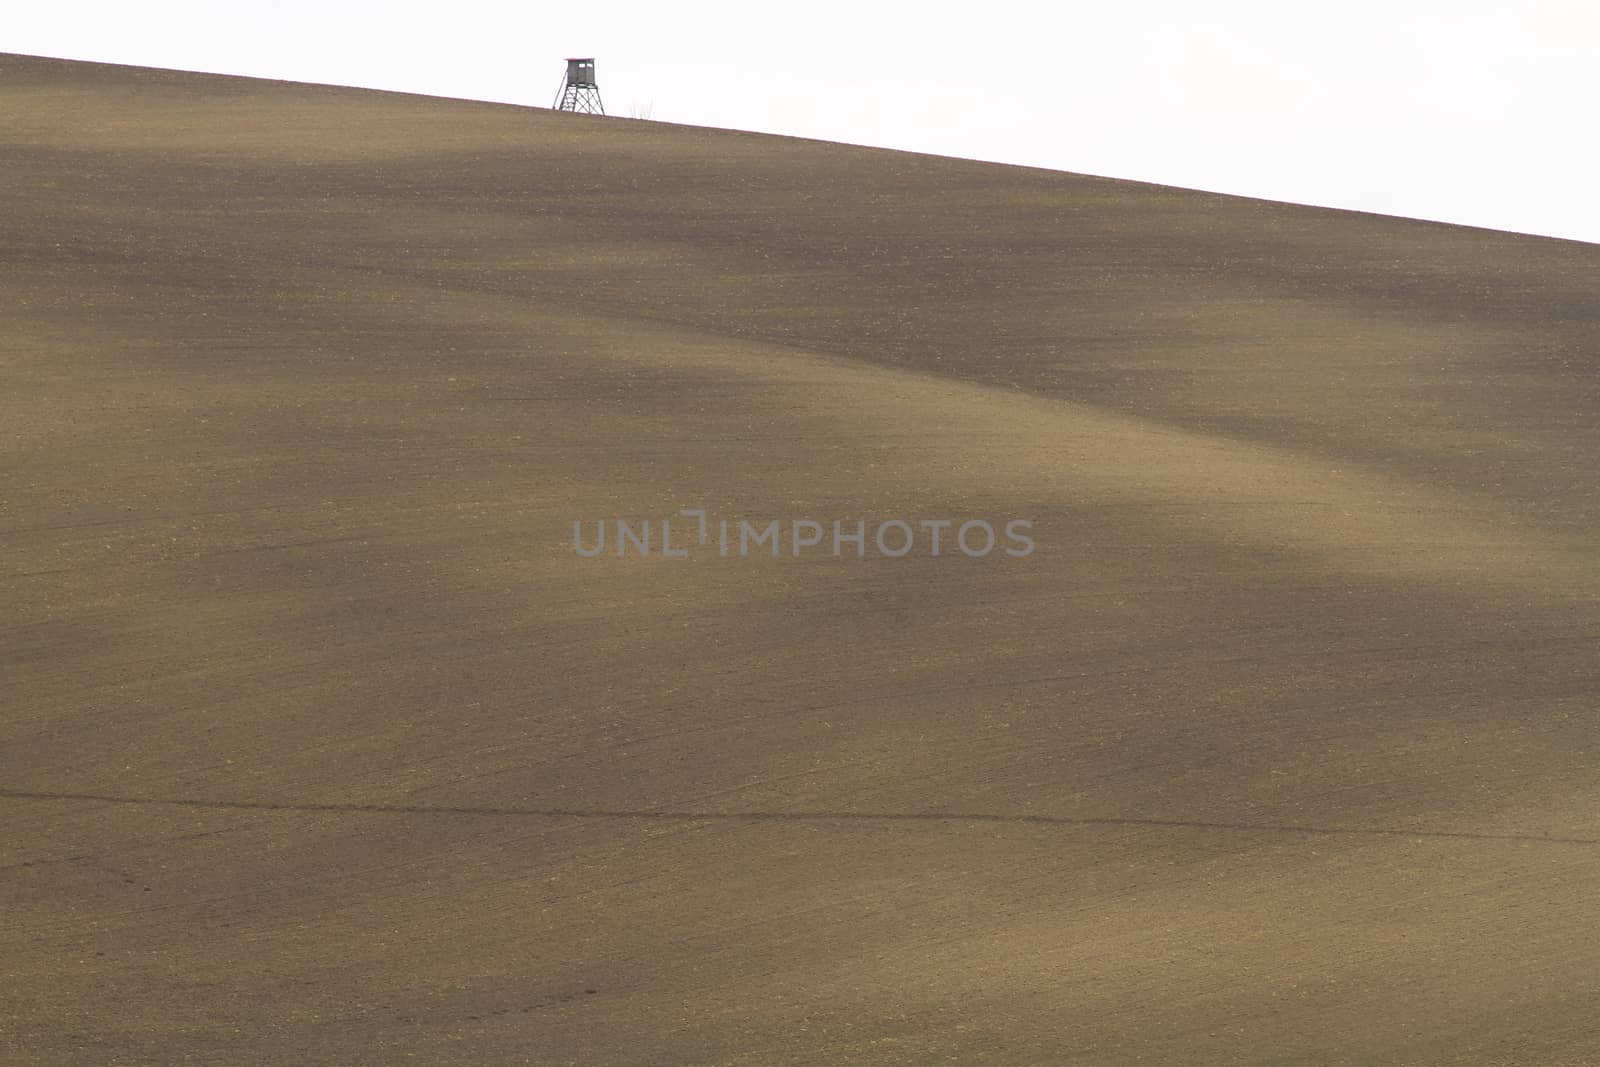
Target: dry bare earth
{"x": 320, "y": 744}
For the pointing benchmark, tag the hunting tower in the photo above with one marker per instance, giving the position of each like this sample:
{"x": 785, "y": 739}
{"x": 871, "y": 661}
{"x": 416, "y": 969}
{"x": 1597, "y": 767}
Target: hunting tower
{"x": 579, "y": 92}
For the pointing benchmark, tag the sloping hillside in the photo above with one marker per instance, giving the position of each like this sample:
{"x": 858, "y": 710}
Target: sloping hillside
{"x": 320, "y": 742}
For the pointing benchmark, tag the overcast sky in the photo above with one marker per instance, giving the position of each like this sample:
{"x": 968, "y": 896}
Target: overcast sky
{"x": 1474, "y": 112}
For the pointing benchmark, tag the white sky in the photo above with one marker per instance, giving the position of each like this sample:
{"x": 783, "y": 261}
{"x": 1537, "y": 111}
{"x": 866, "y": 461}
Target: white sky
{"x": 1486, "y": 113}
